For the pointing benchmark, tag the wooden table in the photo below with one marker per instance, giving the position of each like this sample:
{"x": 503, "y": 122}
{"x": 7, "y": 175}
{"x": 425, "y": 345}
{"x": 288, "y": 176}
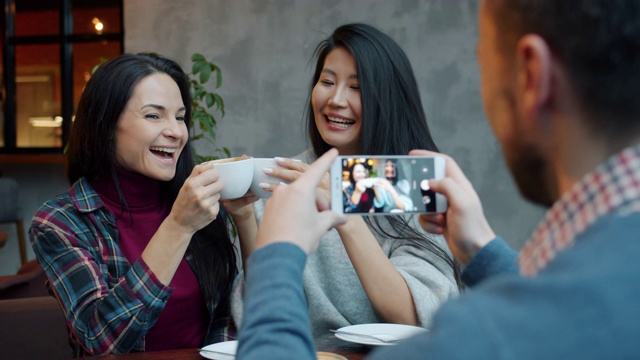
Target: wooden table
{"x": 329, "y": 343}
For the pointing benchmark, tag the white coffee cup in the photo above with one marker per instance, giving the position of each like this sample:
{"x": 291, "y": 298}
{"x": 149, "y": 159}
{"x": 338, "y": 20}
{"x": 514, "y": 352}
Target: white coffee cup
{"x": 237, "y": 175}
{"x": 259, "y": 176}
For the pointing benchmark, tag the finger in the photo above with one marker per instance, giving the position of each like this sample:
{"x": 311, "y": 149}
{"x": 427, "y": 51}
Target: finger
{"x": 430, "y": 224}
{"x": 283, "y": 174}
{"x": 293, "y": 164}
{"x": 436, "y": 219}
{"x": 316, "y": 171}
{"x": 200, "y": 168}
{"x": 329, "y": 219}
{"x": 322, "y": 202}
{"x": 456, "y": 195}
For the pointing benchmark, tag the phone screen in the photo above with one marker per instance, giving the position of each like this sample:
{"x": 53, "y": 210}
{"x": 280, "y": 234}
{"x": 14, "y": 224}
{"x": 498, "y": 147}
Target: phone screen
{"x": 387, "y": 185}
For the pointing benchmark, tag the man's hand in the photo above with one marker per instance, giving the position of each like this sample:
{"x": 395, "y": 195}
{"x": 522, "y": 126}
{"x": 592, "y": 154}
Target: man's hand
{"x": 463, "y": 225}
{"x": 299, "y": 212}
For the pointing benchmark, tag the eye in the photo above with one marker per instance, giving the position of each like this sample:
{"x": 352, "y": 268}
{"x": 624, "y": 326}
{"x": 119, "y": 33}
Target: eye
{"x": 355, "y": 87}
{"x": 152, "y": 116}
{"x": 180, "y": 117}
{"x": 326, "y": 82}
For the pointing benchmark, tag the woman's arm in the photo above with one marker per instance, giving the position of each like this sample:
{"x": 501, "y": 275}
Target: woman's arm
{"x": 194, "y": 208}
{"x": 243, "y": 215}
{"x": 386, "y": 186}
{"x": 386, "y": 289}
{"x": 108, "y": 303}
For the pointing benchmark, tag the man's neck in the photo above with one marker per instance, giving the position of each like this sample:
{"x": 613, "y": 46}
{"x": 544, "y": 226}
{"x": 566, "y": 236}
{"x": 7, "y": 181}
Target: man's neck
{"x": 581, "y": 150}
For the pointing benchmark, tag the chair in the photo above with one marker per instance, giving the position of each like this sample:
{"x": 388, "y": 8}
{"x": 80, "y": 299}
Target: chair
{"x": 28, "y": 282}
{"x": 9, "y": 212}
{"x": 33, "y": 328}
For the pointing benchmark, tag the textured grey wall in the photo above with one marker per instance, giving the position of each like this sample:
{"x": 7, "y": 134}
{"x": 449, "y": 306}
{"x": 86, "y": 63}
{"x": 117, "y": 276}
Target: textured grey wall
{"x": 264, "y": 48}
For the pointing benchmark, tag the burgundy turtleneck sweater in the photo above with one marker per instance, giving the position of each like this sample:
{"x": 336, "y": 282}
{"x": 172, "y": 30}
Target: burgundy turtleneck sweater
{"x": 183, "y": 321}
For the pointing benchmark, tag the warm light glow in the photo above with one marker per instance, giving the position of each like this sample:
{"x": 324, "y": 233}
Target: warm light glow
{"x": 98, "y": 25}
{"x": 46, "y": 121}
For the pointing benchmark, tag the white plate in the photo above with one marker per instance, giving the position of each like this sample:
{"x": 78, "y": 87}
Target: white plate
{"x": 384, "y": 331}
{"x": 228, "y": 347}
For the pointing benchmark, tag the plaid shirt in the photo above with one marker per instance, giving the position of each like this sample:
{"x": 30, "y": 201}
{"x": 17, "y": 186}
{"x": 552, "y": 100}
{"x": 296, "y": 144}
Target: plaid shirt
{"x": 613, "y": 188}
{"x": 109, "y": 303}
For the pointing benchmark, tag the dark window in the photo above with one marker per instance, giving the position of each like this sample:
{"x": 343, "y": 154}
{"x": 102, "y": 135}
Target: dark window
{"x": 48, "y": 51}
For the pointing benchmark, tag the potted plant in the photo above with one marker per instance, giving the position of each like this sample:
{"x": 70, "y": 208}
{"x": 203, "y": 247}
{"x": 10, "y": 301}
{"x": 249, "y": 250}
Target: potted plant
{"x": 204, "y": 124}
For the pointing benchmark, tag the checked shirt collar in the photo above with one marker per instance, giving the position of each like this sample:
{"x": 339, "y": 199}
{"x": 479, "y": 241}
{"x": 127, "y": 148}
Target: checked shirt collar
{"x": 612, "y": 188}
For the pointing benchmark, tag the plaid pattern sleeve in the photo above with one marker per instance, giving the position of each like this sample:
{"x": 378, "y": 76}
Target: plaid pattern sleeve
{"x": 109, "y": 304}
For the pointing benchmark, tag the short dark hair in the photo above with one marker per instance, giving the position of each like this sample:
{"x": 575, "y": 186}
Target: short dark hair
{"x": 597, "y": 41}
{"x": 393, "y": 120}
{"x": 91, "y": 154}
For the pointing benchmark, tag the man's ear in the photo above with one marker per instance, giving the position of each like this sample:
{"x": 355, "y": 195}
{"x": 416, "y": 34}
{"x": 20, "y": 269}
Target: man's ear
{"x": 535, "y": 81}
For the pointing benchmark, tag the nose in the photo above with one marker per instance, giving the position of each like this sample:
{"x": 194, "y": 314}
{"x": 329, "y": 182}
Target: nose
{"x": 338, "y": 98}
{"x": 173, "y": 128}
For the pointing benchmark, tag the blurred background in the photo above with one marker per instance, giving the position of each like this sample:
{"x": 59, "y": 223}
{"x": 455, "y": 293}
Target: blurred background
{"x": 264, "y": 50}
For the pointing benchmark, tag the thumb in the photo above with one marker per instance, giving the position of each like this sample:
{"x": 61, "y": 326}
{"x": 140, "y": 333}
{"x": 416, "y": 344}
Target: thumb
{"x": 449, "y": 188}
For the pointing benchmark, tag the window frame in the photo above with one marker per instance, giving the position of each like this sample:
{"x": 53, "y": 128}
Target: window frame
{"x": 66, "y": 39}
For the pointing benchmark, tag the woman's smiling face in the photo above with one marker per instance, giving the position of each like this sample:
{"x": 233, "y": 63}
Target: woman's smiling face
{"x": 359, "y": 172}
{"x": 151, "y": 131}
{"x": 336, "y": 102}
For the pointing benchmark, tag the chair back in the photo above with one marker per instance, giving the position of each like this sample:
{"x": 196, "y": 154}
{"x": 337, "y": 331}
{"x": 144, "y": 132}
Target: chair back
{"x": 33, "y": 329}
{"x": 8, "y": 200}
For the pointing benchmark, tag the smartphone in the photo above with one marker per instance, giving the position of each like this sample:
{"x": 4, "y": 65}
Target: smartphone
{"x": 382, "y": 185}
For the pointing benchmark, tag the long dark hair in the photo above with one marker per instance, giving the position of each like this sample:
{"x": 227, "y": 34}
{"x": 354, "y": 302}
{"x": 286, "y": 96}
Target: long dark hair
{"x": 353, "y": 168}
{"x": 91, "y": 154}
{"x": 393, "y": 120}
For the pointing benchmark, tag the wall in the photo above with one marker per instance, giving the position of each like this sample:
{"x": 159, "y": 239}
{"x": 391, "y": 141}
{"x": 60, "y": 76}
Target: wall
{"x": 264, "y": 49}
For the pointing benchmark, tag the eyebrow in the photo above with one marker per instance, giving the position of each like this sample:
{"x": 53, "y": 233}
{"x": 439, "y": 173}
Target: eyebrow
{"x": 160, "y": 107}
{"x": 331, "y": 72}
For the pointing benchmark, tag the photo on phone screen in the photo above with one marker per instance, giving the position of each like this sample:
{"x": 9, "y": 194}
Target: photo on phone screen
{"x": 386, "y": 185}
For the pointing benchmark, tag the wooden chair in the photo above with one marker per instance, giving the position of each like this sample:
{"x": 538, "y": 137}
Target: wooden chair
{"x": 30, "y": 281}
{"x": 9, "y": 212}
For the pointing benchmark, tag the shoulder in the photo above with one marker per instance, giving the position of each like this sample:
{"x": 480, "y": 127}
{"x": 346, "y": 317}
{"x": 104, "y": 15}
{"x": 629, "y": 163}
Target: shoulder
{"x": 67, "y": 208}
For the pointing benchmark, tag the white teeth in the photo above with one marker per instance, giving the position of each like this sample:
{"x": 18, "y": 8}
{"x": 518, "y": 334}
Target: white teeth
{"x": 167, "y": 150}
{"x": 340, "y": 120}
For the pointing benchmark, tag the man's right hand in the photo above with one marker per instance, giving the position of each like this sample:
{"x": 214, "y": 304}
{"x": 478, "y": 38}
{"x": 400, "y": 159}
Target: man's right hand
{"x": 463, "y": 225}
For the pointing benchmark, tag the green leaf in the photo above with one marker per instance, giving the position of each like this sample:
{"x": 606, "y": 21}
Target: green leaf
{"x": 203, "y": 125}
{"x": 197, "y": 57}
{"x": 219, "y": 104}
{"x": 205, "y": 74}
{"x": 197, "y": 65}
{"x": 210, "y": 99}
{"x": 218, "y": 78}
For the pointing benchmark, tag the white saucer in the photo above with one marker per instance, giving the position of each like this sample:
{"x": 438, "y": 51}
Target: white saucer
{"x": 227, "y": 350}
{"x": 384, "y": 331}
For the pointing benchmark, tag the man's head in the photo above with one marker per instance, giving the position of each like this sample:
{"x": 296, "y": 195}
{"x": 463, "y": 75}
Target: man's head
{"x": 525, "y": 46}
